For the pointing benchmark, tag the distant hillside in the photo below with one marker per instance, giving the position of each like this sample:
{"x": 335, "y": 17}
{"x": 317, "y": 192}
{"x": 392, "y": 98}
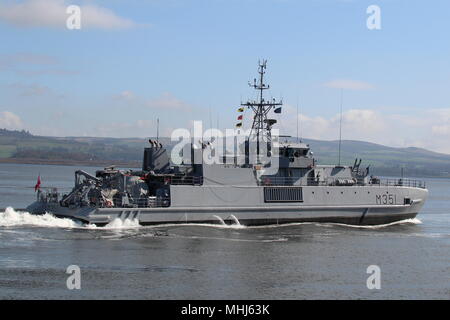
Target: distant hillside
{"x": 15, "y": 133}
{"x": 21, "y": 146}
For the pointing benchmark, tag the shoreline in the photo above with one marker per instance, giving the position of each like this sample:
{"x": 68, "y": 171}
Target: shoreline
{"x": 99, "y": 163}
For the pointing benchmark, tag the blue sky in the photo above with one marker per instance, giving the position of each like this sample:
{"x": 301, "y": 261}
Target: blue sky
{"x": 134, "y": 61}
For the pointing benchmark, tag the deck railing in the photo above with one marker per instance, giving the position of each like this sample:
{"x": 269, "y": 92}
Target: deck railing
{"x": 143, "y": 202}
{"x": 295, "y": 181}
{"x": 185, "y": 180}
{"x": 401, "y": 183}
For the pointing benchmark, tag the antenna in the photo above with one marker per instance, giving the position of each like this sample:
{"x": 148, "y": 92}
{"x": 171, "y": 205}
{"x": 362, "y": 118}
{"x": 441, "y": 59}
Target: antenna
{"x": 300, "y": 124}
{"x": 217, "y": 127}
{"x": 210, "y": 124}
{"x": 297, "y": 121}
{"x": 340, "y": 127}
{"x": 157, "y": 129}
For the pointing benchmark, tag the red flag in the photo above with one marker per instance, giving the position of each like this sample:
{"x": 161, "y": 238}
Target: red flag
{"x": 38, "y": 184}
{"x": 240, "y": 117}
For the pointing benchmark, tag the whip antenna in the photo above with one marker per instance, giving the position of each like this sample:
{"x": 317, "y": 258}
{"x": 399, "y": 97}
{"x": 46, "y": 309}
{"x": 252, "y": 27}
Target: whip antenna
{"x": 340, "y": 128}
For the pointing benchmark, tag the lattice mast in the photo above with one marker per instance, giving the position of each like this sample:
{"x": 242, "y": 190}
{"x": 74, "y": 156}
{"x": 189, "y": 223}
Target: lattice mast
{"x": 261, "y": 127}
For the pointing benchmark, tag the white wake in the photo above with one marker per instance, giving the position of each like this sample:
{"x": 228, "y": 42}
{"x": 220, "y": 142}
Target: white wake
{"x": 13, "y": 218}
{"x": 379, "y": 226}
{"x": 122, "y": 224}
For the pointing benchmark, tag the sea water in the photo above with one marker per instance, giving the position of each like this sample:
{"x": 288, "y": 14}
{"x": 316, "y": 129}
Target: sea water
{"x": 295, "y": 261}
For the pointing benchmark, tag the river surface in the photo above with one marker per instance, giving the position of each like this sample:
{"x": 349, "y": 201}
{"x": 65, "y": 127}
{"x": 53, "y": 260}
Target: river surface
{"x": 297, "y": 261}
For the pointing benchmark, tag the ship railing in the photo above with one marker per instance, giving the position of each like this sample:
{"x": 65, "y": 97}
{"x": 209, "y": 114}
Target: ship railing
{"x": 279, "y": 181}
{"x": 47, "y": 194}
{"x": 296, "y": 181}
{"x": 58, "y": 189}
{"x": 401, "y": 182}
{"x": 51, "y": 194}
{"x": 189, "y": 180}
{"x": 144, "y": 202}
{"x": 152, "y": 202}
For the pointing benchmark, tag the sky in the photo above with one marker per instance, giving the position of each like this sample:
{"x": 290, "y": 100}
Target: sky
{"x": 133, "y": 61}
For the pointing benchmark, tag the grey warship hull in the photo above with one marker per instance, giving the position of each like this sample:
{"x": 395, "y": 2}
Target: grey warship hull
{"x": 347, "y": 205}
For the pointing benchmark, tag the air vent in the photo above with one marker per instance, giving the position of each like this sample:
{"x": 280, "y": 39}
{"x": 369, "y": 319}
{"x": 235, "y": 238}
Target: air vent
{"x": 286, "y": 194}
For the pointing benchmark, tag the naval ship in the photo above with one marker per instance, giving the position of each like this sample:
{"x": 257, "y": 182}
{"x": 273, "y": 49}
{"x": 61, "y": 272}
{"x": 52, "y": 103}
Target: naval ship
{"x": 263, "y": 181}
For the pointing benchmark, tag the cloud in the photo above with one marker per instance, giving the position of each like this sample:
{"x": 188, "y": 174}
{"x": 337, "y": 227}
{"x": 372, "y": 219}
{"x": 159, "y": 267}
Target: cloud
{"x": 32, "y": 94}
{"x": 443, "y": 130}
{"x": 125, "y": 95}
{"x": 442, "y": 114}
{"x": 358, "y": 124}
{"x": 49, "y": 72}
{"x": 11, "y": 60}
{"x": 30, "y": 90}
{"x": 102, "y": 18}
{"x": 441, "y": 123}
{"x": 361, "y": 119}
{"x": 349, "y": 84}
{"x": 428, "y": 129}
{"x": 165, "y": 102}
{"x": 52, "y": 14}
{"x": 9, "y": 120}
{"x": 137, "y": 128}
{"x": 30, "y": 64}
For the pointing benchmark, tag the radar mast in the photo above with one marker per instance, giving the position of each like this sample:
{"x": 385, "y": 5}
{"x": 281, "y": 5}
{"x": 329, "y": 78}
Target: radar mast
{"x": 261, "y": 127}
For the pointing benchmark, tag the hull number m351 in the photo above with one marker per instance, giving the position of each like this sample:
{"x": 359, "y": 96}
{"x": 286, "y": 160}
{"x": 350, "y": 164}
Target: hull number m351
{"x": 386, "y": 198}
